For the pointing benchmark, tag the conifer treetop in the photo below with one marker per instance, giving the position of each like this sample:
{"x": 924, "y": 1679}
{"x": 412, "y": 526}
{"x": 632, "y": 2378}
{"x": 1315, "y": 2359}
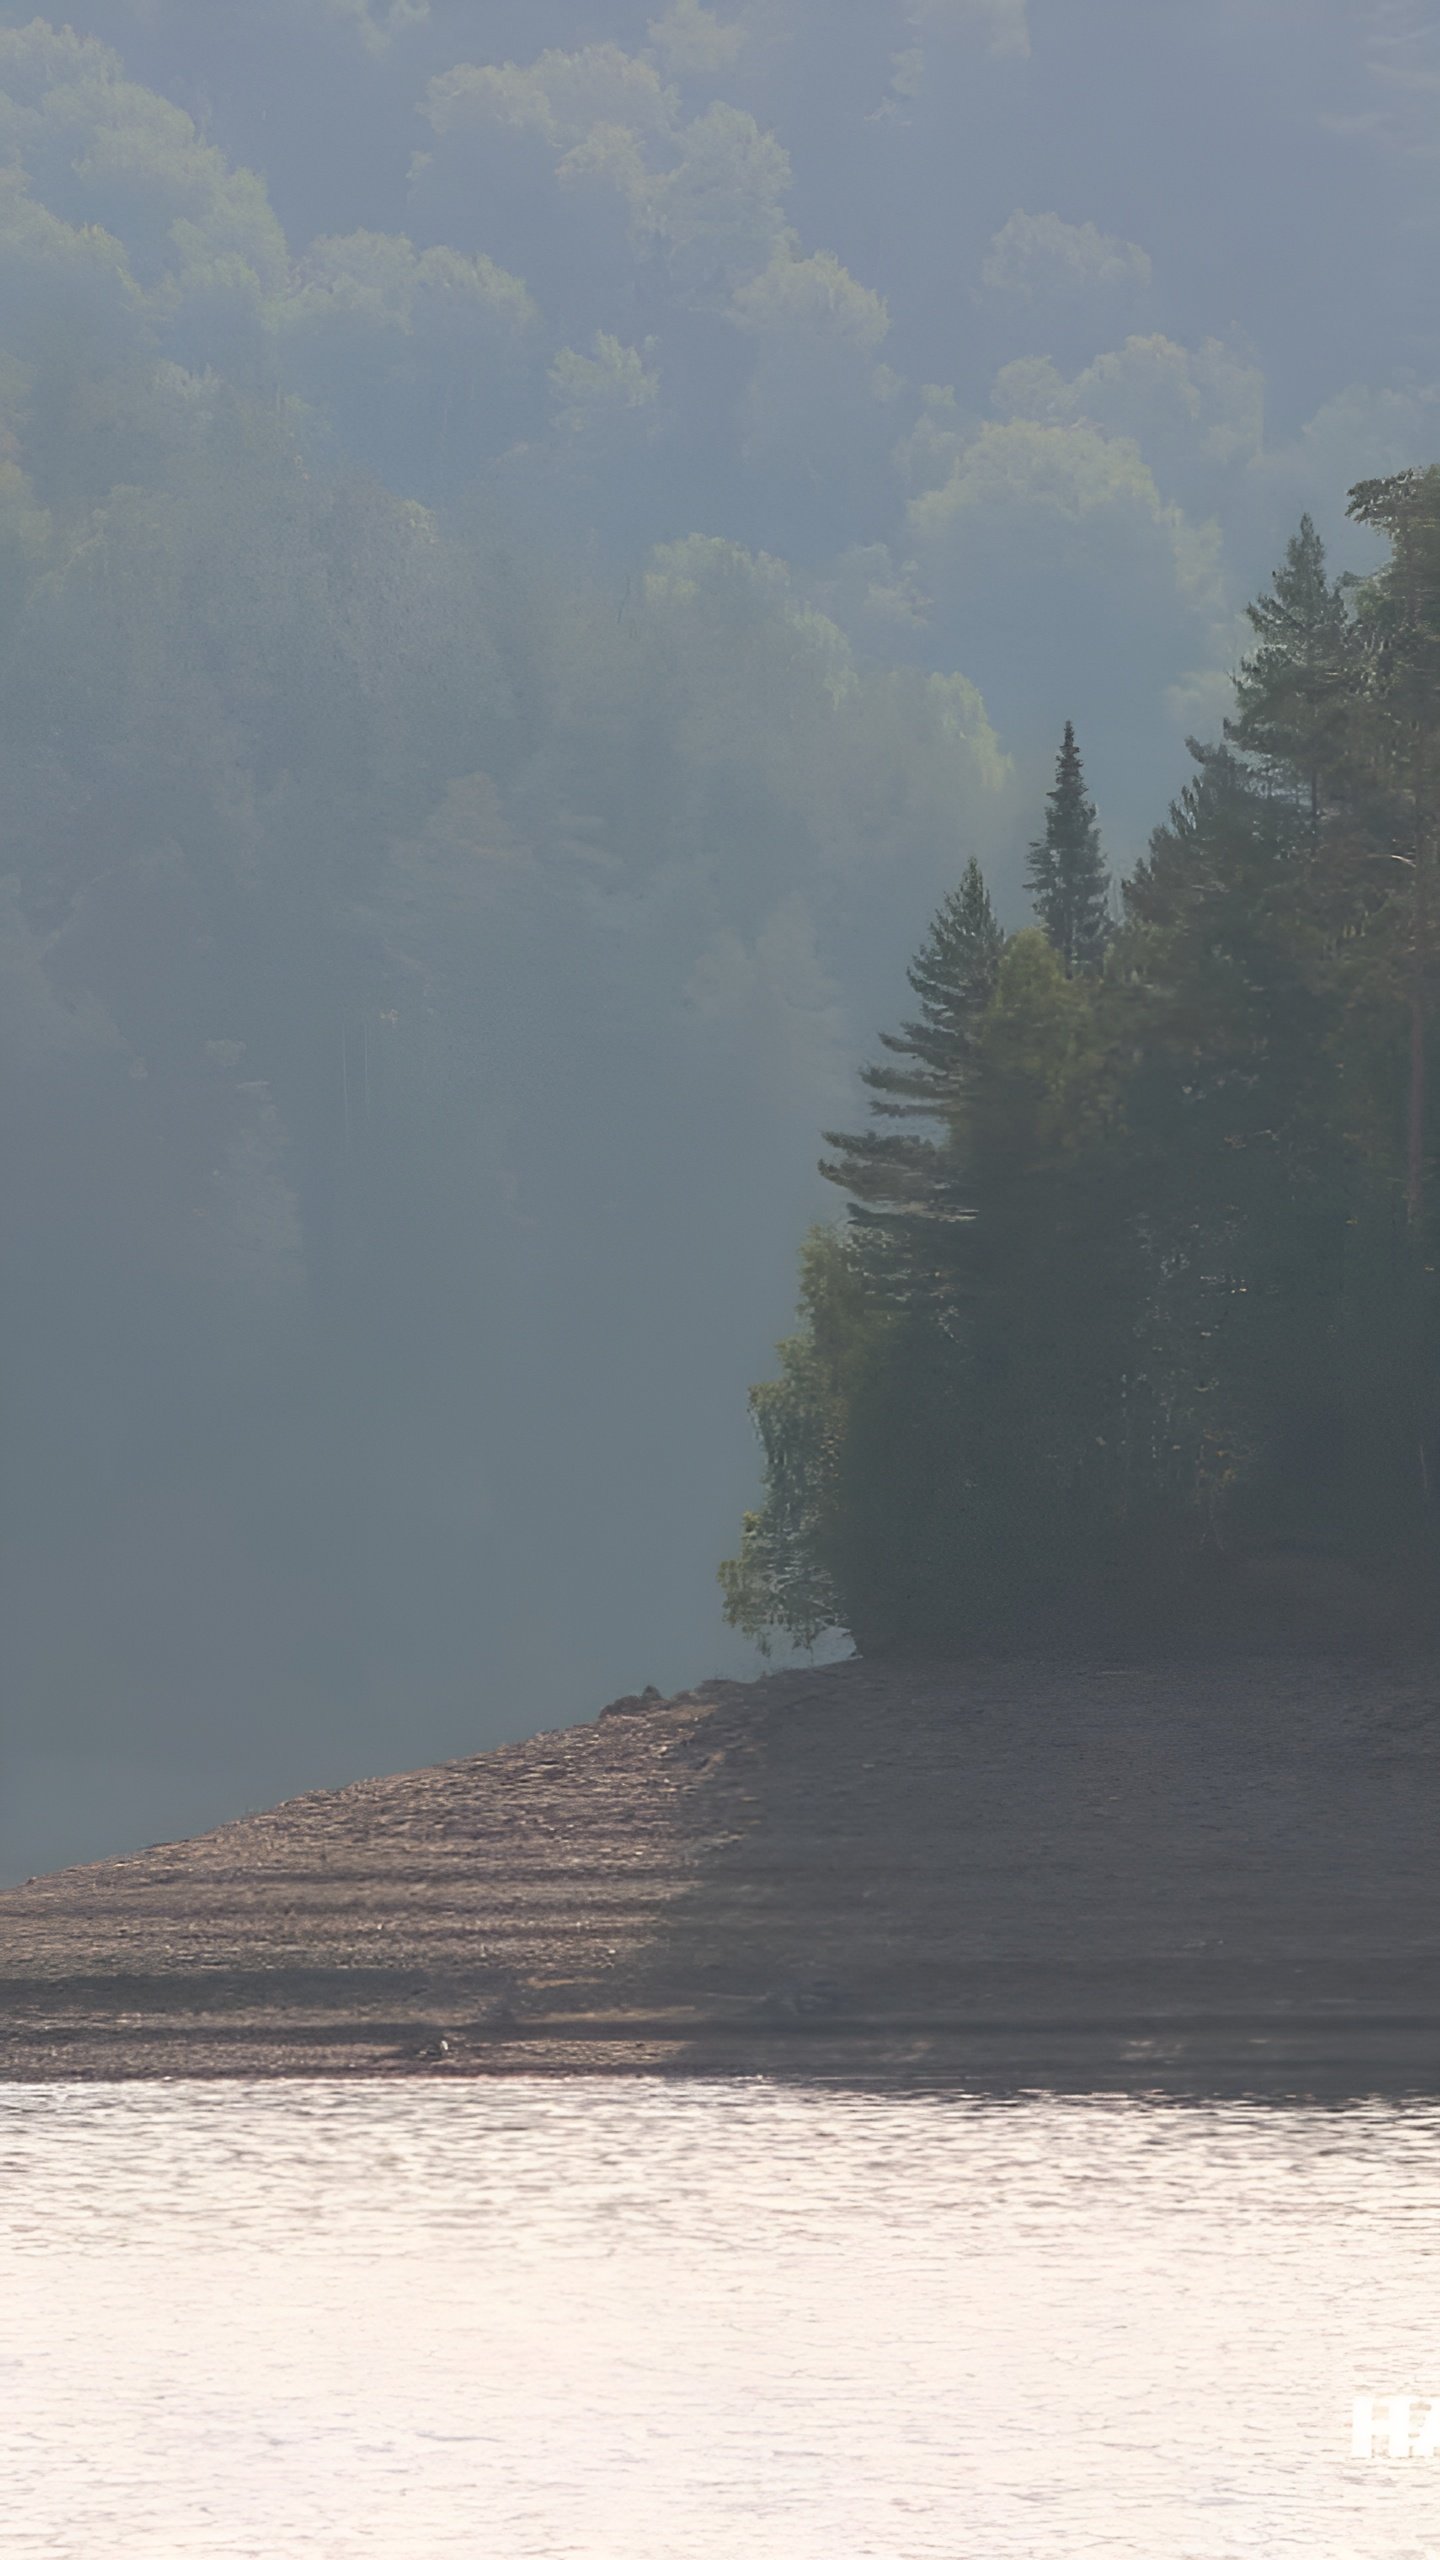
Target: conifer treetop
{"x": 1293, "y": 693}
{"x": 1069, "y": 884}
{"x": 900, "y": 1179}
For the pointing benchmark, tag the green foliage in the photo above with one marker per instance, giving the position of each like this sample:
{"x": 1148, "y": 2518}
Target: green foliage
{"x": 1069, "y": 885}
{"x": 907, "y": 1190}
{"x": 1296, "y": 690}
{"x": 1162, "y": 1280}
{"x": 783, "y": 1577}
{"x": 953, "y": 975}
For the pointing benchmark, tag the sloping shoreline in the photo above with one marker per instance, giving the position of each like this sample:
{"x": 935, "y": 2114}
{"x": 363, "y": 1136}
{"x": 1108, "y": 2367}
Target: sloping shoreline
{"x": 1183, "y": 1877}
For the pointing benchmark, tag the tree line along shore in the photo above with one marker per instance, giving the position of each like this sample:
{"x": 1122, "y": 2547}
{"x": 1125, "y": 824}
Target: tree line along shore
{"x": 1137, "y": 1295}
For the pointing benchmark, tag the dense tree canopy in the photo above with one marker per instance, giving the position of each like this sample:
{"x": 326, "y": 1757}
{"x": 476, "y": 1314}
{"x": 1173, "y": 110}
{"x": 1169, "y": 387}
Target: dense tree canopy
{"x": 1189, "y": 1313}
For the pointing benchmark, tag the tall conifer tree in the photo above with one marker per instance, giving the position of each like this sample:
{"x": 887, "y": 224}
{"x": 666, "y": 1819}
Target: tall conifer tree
{"x": 1399, "y": 628}
{"x": 895, "y": 1177}
{"x": 1295, "y": 692}
{"x": 953, "y": 975}
{"x": 1069, "y": 884}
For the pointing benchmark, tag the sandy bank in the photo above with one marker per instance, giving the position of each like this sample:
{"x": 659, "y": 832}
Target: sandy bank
{"x": 1221, "y": 1876}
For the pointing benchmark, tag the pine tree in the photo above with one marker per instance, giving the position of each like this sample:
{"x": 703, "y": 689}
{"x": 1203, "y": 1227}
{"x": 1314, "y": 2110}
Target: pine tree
{"x": 898, "y": 1178}
{"x": 1398, "y": 625}
{"x": 953, "y": 974}
{"x": 1294, "y": 692}
{"x": 1069, "y": 885}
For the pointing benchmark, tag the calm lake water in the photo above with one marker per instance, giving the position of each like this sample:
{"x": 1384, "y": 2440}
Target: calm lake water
{"x": 653, "y": 2322}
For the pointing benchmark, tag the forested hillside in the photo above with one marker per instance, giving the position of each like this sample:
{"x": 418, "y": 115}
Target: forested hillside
{"x": 1142, "y": 1290}
{"x": 537, "y": 542}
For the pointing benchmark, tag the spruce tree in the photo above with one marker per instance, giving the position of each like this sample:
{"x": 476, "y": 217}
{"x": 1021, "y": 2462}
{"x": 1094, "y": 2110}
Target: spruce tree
{"x": 897, "y": 1178}
{"x": 953, "y": 975}
{"x": 1069, "y": 884}
{"x": 1398, "y": 627}
{"x": 1295, "y": 691}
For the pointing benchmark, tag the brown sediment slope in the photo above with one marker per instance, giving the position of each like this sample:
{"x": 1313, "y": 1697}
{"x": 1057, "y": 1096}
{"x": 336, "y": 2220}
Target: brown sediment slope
{"x": 1196, "y": 1876}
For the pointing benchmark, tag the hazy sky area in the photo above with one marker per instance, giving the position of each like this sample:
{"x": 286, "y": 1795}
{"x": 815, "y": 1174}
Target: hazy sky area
{"x": 535, "y": 540}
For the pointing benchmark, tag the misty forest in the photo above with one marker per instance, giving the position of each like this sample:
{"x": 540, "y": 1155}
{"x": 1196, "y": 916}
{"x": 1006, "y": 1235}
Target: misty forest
{"x": 1149, "y": 1294}
{"x": 539, "y": 567}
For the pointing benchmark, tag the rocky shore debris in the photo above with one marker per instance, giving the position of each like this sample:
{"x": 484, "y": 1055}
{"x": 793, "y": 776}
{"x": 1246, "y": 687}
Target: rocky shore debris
{"x": 706, "y": 1693}
{"x": 638, "y": 1704}
{"x": 798, "y": 2003}
{"x": 430, "y": 2049}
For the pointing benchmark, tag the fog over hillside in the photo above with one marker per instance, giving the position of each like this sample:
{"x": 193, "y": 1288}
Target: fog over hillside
{"x": 536, "y": 542}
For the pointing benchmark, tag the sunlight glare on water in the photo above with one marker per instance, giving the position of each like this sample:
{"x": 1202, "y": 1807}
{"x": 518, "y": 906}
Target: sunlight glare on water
{"x": 640, "y": 2321}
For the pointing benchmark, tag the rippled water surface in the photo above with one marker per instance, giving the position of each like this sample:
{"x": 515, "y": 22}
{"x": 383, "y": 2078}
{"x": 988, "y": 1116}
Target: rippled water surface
{"x": 528, "y": 2320}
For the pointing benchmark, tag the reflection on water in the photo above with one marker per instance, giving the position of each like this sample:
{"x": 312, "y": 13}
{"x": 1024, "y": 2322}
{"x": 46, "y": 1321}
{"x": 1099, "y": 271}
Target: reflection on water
{"x": 649, "y": 2322}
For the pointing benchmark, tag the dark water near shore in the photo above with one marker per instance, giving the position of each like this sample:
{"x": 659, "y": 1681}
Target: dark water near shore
{"x": 650, "y": 2322}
